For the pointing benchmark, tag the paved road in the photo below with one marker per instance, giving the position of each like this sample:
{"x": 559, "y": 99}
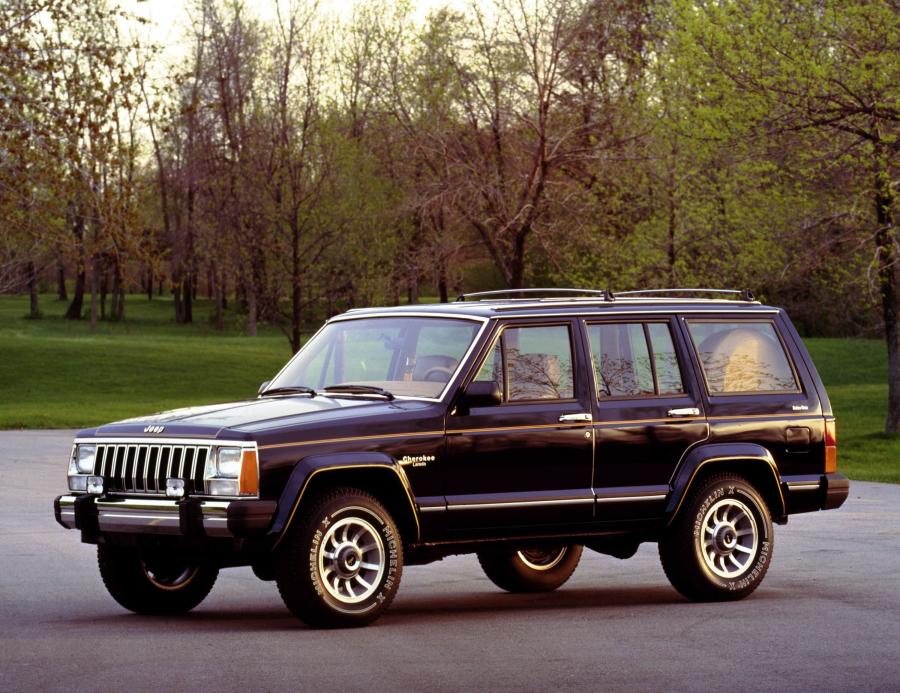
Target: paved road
{"x": 827, "y": 616}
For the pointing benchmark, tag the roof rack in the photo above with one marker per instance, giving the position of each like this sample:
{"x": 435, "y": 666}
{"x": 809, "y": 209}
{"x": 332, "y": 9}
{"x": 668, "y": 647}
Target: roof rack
{"x": 606, "y": 294}
{"x": 745, "y": 294}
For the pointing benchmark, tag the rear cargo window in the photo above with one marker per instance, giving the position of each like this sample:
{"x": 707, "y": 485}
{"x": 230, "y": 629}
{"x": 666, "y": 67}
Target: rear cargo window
{"x": 742, "y": 357}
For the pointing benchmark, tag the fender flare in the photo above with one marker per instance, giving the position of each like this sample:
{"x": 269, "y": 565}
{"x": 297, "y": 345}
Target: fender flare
{"x": 738, "y": 454}
{"x": 309, "y": 467}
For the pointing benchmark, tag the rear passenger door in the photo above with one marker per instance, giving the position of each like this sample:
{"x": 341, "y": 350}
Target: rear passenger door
{"x": 648, "y": 412}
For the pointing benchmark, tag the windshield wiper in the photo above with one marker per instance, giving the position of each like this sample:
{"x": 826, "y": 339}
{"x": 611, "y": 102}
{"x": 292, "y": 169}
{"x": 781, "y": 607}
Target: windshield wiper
{"x": 352, "y": 389}
{"x": 290, "y": 389}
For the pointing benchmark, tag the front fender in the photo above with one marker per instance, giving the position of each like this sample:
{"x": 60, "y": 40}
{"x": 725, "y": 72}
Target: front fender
{"x": 746, "y": 458}
{"x": 309, "y": 467}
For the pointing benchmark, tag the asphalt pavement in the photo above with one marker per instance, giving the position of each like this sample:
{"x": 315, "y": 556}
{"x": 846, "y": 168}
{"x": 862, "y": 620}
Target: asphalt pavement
{"x": 827, "y": 616}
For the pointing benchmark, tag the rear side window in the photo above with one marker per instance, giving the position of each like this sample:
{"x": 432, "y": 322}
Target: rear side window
{"x": 634, "y": 360}
{"x": 742, "y": 357}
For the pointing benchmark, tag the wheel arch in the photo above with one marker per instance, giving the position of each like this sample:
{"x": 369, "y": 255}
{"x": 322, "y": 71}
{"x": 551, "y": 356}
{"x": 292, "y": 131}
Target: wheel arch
{"x": 374, "y": 472}
{"x": 749, "y": 460}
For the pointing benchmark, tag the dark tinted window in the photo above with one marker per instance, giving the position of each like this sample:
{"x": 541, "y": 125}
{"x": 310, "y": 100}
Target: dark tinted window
{"x": 634, "y": 360}
{"x": 742, "y": 357}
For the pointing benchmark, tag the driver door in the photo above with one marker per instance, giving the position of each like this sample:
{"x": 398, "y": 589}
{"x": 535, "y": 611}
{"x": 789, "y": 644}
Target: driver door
{"x": 526, "y": 462}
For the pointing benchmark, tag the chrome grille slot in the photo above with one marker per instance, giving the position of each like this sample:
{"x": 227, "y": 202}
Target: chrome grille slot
{"x": 144, "y": 467}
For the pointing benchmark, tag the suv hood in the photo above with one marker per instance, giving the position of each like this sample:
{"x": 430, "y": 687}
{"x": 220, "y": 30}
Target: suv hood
{"x": 250, "y": 416}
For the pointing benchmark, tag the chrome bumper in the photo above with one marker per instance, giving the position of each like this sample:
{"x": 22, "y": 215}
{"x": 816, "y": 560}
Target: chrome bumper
{"x": 147, "y": 516}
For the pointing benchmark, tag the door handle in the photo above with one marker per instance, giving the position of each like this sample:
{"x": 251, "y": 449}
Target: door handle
{"x": 576, "y": 418}
{"x": 684, "y": 411}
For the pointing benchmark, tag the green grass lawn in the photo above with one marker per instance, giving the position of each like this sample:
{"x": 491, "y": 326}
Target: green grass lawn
{"x": 57, "y": 373}
{"x": 855, "y": 375}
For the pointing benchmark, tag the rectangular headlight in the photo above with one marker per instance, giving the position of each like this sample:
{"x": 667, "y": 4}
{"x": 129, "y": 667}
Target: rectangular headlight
{"x": 84, "y": 458}
{"x": 228, "y": 462}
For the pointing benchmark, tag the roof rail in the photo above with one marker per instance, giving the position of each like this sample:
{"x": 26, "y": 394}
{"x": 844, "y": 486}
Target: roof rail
{"x": 607, "y": 295}
{"x": 745, "y": 294}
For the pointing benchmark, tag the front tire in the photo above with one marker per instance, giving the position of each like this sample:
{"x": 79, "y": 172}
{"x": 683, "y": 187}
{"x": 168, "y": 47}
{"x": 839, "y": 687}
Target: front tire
{"x": 154, "y": 582}
{"x": 720, "y": 545}
{"x": 532, "y": 569}
{"x": 341, "y": 564}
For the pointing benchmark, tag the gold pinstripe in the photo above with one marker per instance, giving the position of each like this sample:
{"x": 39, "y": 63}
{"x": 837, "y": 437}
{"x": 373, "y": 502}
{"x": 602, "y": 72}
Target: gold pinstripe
{"x": 497, "y": 429}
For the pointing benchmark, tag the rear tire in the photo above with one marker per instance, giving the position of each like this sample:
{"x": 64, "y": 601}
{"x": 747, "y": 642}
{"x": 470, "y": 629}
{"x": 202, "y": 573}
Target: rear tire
{"x": 154, "y": 582}
{"x": 720, "y": 545}
{"x": 531, "y": 569}
{"x": 340, "y": 565}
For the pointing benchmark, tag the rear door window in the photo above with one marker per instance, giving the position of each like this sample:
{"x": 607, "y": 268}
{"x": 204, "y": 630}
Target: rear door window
{"x": 634, "y": 360}
{"x": 742, "y": 357}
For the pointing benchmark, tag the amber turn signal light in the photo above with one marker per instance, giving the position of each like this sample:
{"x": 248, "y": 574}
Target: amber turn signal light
{"x": 249, "y": 481}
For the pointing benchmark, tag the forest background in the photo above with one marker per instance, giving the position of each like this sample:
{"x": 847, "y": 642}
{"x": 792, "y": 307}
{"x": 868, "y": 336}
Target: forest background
{"x": 296, "y": 163}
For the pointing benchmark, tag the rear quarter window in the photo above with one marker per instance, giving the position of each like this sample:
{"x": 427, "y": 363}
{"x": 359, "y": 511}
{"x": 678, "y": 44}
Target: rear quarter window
{"x": 742, "y": 357}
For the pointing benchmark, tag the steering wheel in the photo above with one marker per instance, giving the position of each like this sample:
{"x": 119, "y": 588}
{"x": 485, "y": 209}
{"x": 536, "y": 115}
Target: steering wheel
{"x": 437, "y": 374}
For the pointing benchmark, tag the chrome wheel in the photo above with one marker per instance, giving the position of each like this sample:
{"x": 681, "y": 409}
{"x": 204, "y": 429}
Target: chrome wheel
{"x": 729, "y": 538}
{"x": 542, "y": 558}
{"x": 351, "y": 560}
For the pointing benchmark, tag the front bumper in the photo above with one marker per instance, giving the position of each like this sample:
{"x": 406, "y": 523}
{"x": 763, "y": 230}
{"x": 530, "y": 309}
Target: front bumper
{"x": 186, "y": 517}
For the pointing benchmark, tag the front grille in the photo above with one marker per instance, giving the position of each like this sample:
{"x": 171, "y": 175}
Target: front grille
{"x": 144, "y": 468}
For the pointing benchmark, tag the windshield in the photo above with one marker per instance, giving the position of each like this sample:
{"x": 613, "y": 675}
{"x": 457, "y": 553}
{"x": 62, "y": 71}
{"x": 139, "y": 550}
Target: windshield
{"x": 408, "y": 357}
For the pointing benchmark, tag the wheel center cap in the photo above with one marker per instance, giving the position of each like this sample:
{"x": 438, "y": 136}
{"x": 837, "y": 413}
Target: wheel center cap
{"x": 725, "y": 539}
{"x": 348, "y": 561}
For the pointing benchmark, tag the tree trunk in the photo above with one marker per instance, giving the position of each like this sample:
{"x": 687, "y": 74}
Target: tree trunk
{"x": 179, "y": 306}
{"x": 219, "y": 291}
{"x": 34, "y": 310}
{"x": 149, "y": 283}
{"x": 104, "y": 290}
{"x": 94, "y": 287}
{"x": 117, "y": 309}
{"x": 61, "y": 292}
{"x": 120, "y": 317}
{"x": 296, "y": 289}
{"x": 251, "y": 311}
{"x": 442, "y": 282}
{"x": 188, "y": 299}
{"x": 889, "y": 284}
{"x": 517, "y": 262}
{"x": 672, "y": 217}
{"x": 77, "y": 305}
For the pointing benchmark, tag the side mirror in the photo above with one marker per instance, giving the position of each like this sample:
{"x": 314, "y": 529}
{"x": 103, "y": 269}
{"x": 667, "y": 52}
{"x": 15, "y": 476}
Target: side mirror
{"x": 263, "y": 387}
{"x": 482, "y": 393}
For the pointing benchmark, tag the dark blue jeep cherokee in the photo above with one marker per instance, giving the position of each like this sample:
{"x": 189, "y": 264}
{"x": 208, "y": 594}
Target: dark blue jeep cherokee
{"x": 520, "y": 426}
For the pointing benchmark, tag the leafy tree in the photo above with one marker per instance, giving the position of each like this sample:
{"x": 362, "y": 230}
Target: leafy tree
{"x": 823, "y": 76}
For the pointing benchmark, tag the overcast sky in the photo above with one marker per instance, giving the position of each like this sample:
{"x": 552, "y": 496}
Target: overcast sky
{"x": 169, "y": 18}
